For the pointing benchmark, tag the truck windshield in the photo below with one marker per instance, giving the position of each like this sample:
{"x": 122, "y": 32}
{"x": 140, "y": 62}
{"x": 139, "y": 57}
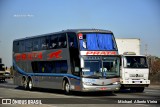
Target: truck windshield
{"x": 136, "y": 62}
{"x": 107, "y": 67}
{"x": 97, "y": 41}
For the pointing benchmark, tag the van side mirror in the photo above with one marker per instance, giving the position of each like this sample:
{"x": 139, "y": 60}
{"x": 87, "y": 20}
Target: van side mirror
{"x": 82, "y": 62}
{"x": 125, "y": 62}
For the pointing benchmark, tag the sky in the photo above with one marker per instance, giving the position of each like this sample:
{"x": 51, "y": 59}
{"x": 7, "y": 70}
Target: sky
{"x": 125, "y": 18}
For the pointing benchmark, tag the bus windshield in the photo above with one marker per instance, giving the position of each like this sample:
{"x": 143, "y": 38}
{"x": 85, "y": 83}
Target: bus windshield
{"x": 97, "y": 41}
{"x": 105, "y": 67}
{"x": 136, "y": 62}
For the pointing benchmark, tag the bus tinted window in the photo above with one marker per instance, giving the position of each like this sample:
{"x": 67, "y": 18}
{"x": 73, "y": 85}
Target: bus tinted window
{"x": 61, "y": 66}
{"x": 28, "y": 45}
{"x": 58, "y": 41}
{"x": 21, "y": 46}
{"x": 16, "y": 47}
{"x": 53, "y": 42}
{"x": 64, "y": 67}
{"x": 57, "y": 67}
{"x": 62, "y": 42}
{"x": 36, "y": 44}
{"x": 44, "y": 43}
{"x": 72, "y": 40}
{"x": 49, "y": 66}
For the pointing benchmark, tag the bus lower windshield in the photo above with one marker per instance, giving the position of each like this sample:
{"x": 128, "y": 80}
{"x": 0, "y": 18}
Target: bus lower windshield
{"x": 136, "y": 62}
{"x": 107, "y": 67}
{"x": 97, "y": 41}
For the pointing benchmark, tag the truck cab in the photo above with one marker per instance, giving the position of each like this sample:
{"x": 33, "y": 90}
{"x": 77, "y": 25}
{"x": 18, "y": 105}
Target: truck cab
{"x": 134, "y": 72}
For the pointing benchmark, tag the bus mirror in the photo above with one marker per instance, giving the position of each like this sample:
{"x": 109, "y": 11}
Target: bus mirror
{"x": 82, "y": 62}
{"x": 76, "y": 69}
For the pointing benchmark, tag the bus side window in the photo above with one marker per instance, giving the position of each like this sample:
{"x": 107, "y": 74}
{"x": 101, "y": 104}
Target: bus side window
{"x": 22, "y": 46}
{"x": 34, "y": 65}
{"x": 61, "y": 66}
{"x": 44, "y": 43}
{"x": 72, "y": 40}
{"x": 28, "y": 45}
{"x": 50, "y": 67}
{"x": 64, "y": 66}
{"x": 36, "y": 44}
{"x": 16, "y": 46}
{"x": 53, "y": 42}
{"x": 62, "y": 41}
{"x": 58, "y": 67}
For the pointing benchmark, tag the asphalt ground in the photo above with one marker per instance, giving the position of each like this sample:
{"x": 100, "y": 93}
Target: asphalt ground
{"x": 57, "y": 98}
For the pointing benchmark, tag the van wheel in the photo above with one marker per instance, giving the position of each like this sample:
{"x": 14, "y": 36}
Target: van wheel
{"x": 66, "y": 87}
{"x": 30, "y": 84}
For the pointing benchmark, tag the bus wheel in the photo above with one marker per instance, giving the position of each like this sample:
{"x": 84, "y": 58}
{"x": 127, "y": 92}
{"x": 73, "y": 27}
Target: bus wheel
{"x": 24, "y": 83}
{"x": 30, "y": 84}
{"x": 66, "y": 87}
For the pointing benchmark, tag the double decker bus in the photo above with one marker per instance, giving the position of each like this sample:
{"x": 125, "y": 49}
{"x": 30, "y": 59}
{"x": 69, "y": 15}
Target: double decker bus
{"x": 71, "y": 60}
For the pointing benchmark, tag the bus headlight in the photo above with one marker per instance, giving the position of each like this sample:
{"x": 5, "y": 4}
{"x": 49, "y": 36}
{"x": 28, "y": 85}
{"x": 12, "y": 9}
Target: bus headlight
{"x": 115, "y": 83}
{"x": 87, "y": 83}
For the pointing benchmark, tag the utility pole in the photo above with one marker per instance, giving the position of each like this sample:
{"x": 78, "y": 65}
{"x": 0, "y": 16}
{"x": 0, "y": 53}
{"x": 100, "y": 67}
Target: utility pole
{"x": 146, "y": 49}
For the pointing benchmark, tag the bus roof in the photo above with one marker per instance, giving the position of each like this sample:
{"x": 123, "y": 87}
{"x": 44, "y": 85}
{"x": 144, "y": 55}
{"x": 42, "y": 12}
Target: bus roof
{"x": 68, "y": 30}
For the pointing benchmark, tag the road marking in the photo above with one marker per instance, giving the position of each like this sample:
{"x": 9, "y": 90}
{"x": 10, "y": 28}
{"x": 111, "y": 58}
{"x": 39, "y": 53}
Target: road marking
{"x": 46, "y": 105}
{"x": 152, "y": 91}
{"x": 41, "y": 93}
{"x": 141, "y": 105}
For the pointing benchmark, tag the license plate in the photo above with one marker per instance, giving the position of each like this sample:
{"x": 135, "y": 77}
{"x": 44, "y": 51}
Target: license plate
{"x": 103, "y": 88}
{"x": 136, "y": 81}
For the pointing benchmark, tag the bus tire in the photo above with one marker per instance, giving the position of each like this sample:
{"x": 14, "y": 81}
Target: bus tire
{"x": 24, "y": 83}
{"x": 66, "y": 87}
{"x": 30, "y": 84}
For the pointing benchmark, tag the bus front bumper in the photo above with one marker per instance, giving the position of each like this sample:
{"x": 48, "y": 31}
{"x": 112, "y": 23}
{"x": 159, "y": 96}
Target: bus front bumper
{"x": 87, "y": 88}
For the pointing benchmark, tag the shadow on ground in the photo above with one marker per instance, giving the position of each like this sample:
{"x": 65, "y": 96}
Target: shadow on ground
{"x": 56, "y": 91}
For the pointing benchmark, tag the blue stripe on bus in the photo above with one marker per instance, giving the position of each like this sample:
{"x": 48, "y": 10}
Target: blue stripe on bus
{"x": 43, "y": 74}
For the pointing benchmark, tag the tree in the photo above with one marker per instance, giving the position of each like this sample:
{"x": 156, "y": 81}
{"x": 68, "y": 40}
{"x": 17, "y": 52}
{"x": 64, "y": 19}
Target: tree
{"x": 154, "y": 64}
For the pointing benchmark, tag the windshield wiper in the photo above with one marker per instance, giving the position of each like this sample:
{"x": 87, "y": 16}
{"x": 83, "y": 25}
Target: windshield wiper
{"x": 93, "y": 76}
